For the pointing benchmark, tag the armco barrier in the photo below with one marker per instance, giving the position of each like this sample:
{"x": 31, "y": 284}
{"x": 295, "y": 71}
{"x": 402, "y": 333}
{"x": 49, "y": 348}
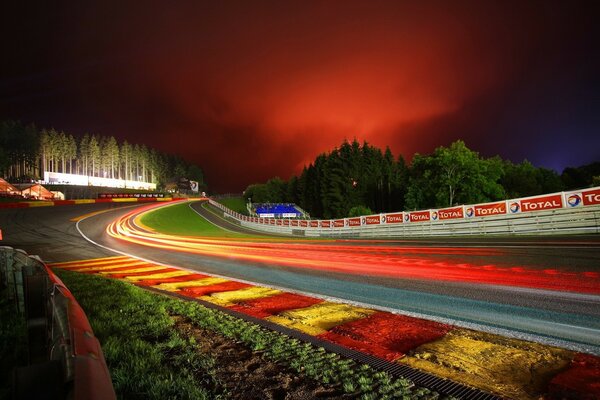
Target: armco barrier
{"x": 65, "y": 359}
{"x": 573, "y": 212}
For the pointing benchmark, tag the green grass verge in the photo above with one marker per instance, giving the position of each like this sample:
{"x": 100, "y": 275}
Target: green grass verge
{"x": 180, "y": 219}
{"x": 146, "y": 356}
{"x": 236, "y": 204}
{"x": 13, "y": 343}
{"x": 148, "y": 359}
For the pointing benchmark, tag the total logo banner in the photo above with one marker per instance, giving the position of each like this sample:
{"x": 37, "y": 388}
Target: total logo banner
{"x": 448, "y": 213}
{"x": 419, "y": 216}
{"x": 583, "y": 198}
{"x": 538, "y": 203}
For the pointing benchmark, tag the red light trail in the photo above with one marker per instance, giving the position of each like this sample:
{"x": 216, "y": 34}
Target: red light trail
{"x": 428, "y": 264}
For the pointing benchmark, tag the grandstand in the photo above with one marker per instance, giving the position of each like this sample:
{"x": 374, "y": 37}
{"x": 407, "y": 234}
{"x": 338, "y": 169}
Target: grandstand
{"x": 277, "y": 210}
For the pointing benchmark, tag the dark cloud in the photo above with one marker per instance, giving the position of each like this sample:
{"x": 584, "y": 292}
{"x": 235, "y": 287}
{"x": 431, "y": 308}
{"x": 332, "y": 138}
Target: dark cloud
{"x": 257, "y": 89}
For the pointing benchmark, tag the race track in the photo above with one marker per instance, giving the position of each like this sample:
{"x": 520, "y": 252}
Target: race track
{"x": 568, "y": 318}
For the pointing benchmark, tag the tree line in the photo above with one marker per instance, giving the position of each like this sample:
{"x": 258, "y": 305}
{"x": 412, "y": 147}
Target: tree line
{"x": 358, "y": 179}
{"x": 26, "y": 152}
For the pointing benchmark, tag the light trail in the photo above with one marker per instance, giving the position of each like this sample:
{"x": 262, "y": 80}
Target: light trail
{"x": 429, "y": 264}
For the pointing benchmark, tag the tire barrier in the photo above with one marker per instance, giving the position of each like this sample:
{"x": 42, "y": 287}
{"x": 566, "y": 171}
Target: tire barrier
{"x": 576, "y": 212}
{"x": 65, "y": 358}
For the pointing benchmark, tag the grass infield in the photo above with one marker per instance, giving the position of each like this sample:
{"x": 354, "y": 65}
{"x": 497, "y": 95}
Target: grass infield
{"x": 180, "y": 219}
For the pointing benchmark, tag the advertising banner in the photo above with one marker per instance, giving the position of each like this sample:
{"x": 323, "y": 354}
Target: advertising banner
{"x": 591, "y": 197}
{"x": 303, "y": 224}
{"x": 541, "y": 203}
{"x": 286, "y": 222}
{"x": 418, "y": 216}
{"x": 294, "y": 222}
{"x": 271, "y": 221}
{"x": 395, "y": 218}
{"x": 325, "y": 224}
{"x": 354, "y": 221}
{"x": 338, "y": 223}
{"x": 484, "y": 210}
{"x": 279, "y": 222}
{"x": 372, "y": 220}
{"x": 450, "y": 213}
{"x": 314, "y": 224}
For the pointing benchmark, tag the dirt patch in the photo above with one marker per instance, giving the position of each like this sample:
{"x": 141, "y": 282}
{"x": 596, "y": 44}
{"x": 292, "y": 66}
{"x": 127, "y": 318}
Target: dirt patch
{"x": 250, "y": 375}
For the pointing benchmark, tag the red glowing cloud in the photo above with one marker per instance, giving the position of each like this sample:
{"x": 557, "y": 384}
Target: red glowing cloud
{"x": 249, "y": 91}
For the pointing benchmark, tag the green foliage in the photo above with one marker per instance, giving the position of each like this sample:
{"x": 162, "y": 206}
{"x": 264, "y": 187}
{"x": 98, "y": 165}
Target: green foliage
{"x": 524, "y": 179}
{"x": 453, "y": 175}
{"x": 357, "y": 211}
{"x": 581, "y": 177}
{"x": 26, "y": 152}
{"x": 351, "y": 175}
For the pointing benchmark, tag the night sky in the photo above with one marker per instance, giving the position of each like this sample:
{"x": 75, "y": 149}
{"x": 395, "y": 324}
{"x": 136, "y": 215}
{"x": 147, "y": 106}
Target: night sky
{"x": 249, "y": 90}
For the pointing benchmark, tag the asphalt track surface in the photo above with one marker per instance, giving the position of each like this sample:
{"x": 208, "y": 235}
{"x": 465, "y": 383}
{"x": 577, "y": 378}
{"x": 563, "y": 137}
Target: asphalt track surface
{"x": 564, "y": 318}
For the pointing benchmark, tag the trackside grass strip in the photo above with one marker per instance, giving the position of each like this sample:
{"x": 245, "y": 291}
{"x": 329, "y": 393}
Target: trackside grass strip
{"x": 148, "y": 358}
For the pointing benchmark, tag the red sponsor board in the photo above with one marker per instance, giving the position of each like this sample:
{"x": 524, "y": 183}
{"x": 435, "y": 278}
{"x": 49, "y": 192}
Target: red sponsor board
{"x": 338, "y": 223}
{"x": 372, "y": 220}
{"x": 261, "y": 220}
{"x": 354, "y": 221}
{"x": 314, "y": 224}
{"x": 294, "y": 222}
{"x": 419, "y": 216}
{"x": 394, "y": 218}
{"x": 451, "y": 213}
{"x": 489, "y": 209}
{"x": 325, "y": 224}
{"x": 542, "y": 203}
{"x": 591, "y": 197}
{"x": 304, "y": 224}
{"x": 286, "y": 222}
{"x": 279, "y": 222}
{"x": 271, "y": 221}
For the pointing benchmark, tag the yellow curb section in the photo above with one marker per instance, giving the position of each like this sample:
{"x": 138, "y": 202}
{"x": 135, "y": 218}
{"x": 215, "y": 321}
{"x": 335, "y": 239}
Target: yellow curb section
{"x": 234, "y": 296}
{"x": 111, "y": 266}
{"x": 91, "y": 214}
{"x": 138, "y": 221}
{"x": 321, "y": 317}
{"x": 132, "y": 270}
{"x": 125, "y": 200}
{"x": 40, "y": 203}
{"x": 513, "y": 368}
{"x": 164, "y": 275}
{"x": 89, "y": 261}
{"x": 176, "y": 286}
{"x": 84, "y": 201}
{"x": 164, "y": 199}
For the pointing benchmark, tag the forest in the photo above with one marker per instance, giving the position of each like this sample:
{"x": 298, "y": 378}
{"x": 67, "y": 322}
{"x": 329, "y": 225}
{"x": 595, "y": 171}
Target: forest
{"x": 26, "y": 152}
{"x": 359, "y": 179}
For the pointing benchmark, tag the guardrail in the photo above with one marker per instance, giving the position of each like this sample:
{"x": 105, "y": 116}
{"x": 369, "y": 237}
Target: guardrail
{"x": 65, "y": 358}
{"x": 556, "y": 213}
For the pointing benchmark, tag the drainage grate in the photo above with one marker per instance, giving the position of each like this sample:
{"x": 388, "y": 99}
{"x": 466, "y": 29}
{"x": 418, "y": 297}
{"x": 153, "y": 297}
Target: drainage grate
{"x": 440, "y": 385}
